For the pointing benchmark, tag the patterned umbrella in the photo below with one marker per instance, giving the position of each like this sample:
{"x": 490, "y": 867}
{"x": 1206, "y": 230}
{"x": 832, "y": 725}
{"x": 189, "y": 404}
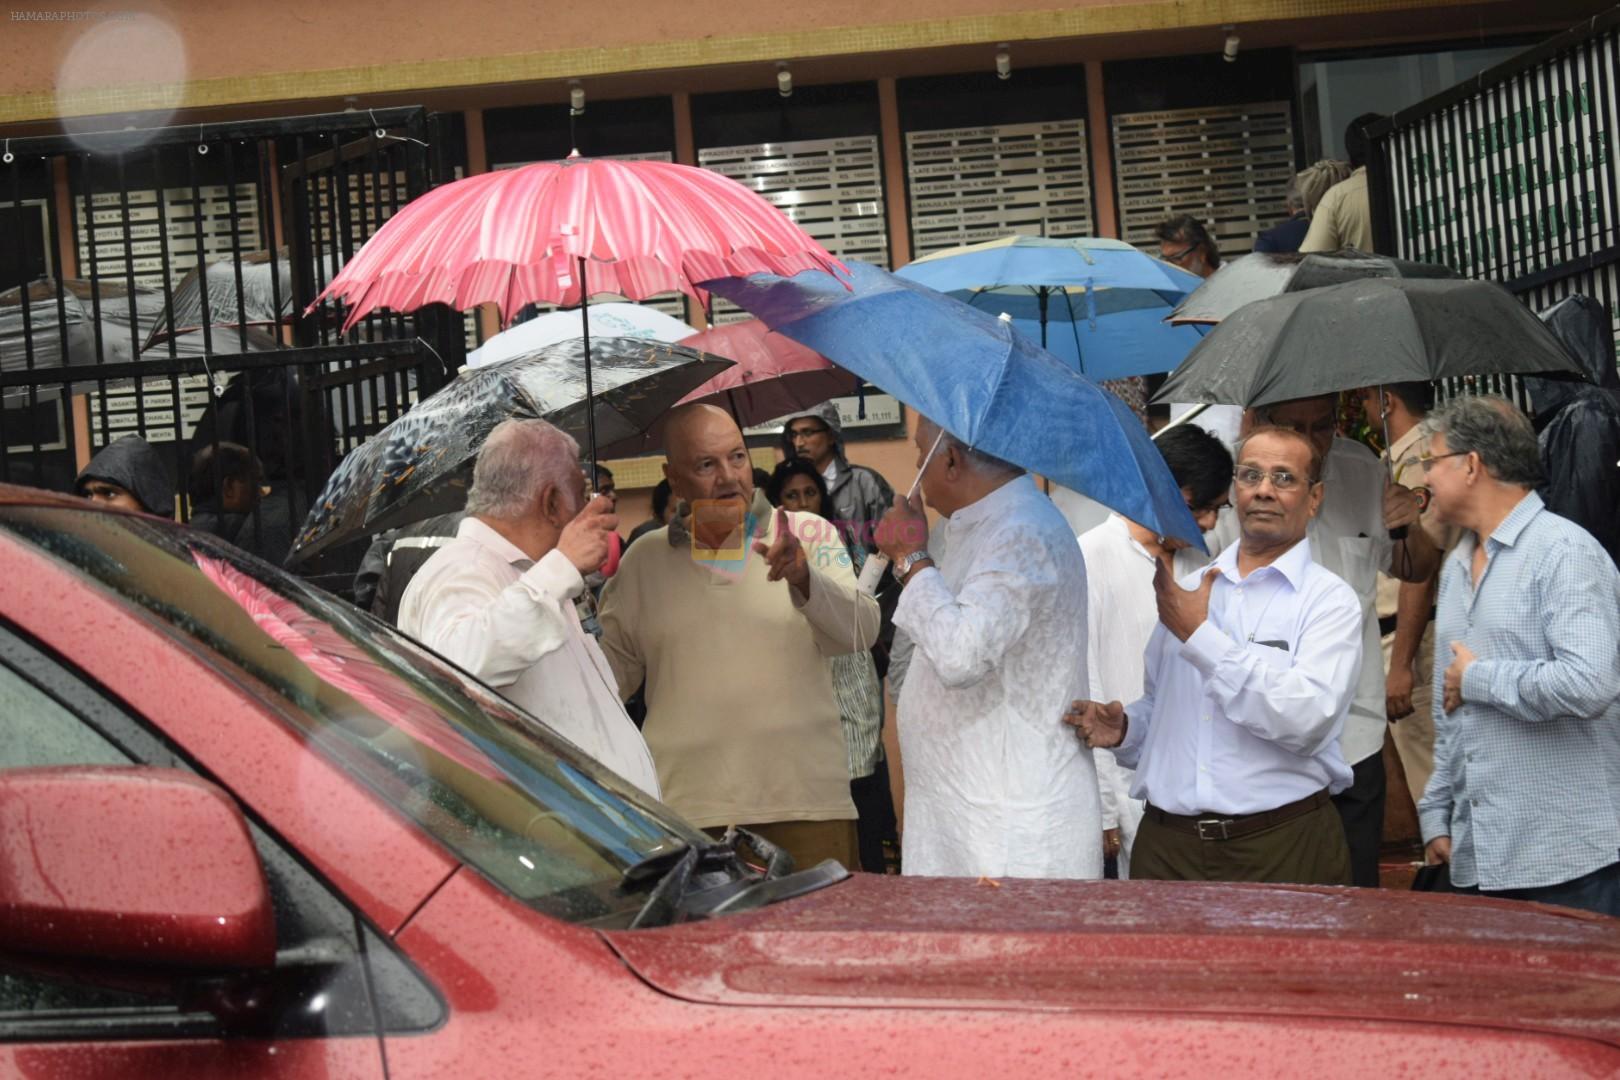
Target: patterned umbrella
{"x": 420, "y": 465}
{"x": 559, "y": 232}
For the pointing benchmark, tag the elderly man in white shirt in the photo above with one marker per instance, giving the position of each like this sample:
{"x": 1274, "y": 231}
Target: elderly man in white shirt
{"x": 498, "y": 600}
{"x": 994, "y": 785}
{"x": 1355, "y": 536}
{"x": 1121, "y": 609}
{"x": 1249, "y": 676}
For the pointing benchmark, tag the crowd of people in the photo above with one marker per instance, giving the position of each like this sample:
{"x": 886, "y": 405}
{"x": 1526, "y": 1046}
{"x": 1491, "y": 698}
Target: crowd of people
{"x": 1119, "y": 702}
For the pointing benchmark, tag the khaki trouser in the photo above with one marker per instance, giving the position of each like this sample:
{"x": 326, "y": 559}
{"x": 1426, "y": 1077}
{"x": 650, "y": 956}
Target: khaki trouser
{"x": 1414, "y": 735}
{"x": 809, "y": 842}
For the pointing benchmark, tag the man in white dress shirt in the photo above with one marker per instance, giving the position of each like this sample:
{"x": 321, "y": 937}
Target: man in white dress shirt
{"x": 1235, "y": 740}
{"x": 498, "y": 600}
{"x": 1354, "y": 536}
{"x": 1121, "y": 610}
{"x": 995, "y": 786}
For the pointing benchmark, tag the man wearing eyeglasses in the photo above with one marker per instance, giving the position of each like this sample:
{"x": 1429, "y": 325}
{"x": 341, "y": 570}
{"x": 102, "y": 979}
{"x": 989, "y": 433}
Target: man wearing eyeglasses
{"x": 860, "y": 496}
{"x": 1524, "y": 802}
{"x": 1249, "y": 676}
{"x": 1366, "y": 524}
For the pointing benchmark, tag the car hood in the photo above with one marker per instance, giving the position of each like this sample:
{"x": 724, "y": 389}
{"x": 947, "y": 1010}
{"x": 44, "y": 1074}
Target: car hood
{"x": 1230, "y": 950}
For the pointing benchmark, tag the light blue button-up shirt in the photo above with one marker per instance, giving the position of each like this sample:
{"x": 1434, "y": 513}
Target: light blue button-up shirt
{"x": 1245, "y": 715}
{"x": 1527, "y": 771}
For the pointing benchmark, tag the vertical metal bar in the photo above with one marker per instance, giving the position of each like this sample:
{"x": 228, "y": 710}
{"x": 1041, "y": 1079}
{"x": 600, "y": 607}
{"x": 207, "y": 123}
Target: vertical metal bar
{"x": 236, "y": 248}
{"x": 1522, "y": 160}
{"x": 129, "y": 282}
{"x": 53, "y": 218}
{"x": 27, "y": 304}
{"x": 1600, "y": 57}
{"x": 1563, "y": 193}
{"x": 267, "y": 230}
{"x": 1478, "y": 196}
{"x": 95, "y": 289}
{"x": 173, "y": 341}
{"x": 202, "y": 256}
{"x": 339, "y": 242}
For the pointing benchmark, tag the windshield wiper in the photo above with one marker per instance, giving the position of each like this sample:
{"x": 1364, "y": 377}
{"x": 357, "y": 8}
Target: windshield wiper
{"x": 675, "y": 867}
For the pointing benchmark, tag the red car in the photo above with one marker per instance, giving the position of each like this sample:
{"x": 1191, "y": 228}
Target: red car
{"x": 248, "y": 831}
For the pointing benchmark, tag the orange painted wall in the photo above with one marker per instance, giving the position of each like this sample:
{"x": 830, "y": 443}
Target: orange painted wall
{"x": 234, "y": 38}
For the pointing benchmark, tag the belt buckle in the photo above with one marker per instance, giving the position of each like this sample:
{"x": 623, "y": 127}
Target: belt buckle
{"x": 1207, "y": 825}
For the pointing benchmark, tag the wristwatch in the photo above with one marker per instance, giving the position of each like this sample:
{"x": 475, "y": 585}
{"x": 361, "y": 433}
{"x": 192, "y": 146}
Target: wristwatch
{"x": 903, "y": 567}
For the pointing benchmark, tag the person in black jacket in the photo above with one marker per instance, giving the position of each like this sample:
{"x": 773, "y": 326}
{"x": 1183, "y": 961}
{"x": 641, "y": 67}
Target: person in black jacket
{"x": 1578, "y": 424}
{"x": 128, "y": 473}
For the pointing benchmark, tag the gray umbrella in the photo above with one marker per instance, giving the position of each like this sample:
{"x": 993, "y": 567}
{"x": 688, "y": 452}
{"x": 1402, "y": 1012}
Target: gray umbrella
{"x": 1265, "y": 274}
{"x": 1369, "y": 332}
{"x": 420, "y": 465}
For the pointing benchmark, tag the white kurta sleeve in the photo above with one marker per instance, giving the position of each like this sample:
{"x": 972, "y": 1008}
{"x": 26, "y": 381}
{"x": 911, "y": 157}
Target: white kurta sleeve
{"x": 965, "y": 634}
{"x": 497, "y": 634}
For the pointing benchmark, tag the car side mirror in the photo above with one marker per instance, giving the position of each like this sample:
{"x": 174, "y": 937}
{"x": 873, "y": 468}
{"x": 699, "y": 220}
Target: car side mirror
{"x": 109, "y": 870}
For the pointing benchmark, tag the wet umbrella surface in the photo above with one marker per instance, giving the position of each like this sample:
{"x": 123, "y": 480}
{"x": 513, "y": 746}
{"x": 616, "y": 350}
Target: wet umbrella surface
{"x": 421, "y": 464}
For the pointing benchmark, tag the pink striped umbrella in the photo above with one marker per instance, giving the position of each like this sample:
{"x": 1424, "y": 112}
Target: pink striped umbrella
{"x": 773, "y": 375}
{"x": 560, "y": 232}
{"x": 530, "y": 235}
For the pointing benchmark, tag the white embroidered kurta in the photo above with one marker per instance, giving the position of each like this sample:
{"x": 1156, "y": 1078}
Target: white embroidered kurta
{"x": 996, "y": 783}
{"x": 480, "y": 604}
{"x": 1121, "y": 612}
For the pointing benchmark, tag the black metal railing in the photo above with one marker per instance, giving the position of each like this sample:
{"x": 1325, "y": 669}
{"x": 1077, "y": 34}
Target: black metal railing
{"x": 182, "y": 262}
{"x": 1511, "y": 176}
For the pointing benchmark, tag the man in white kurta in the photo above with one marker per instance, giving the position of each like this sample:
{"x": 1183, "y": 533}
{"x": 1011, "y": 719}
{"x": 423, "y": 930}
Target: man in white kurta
{"x": 487, "y": 604}
{"x": 1121, "y": 609}
{"x": 995, "y": 784}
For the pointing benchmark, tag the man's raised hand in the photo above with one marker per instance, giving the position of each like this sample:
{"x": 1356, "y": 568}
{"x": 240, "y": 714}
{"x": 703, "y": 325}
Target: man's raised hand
{"x": 584, "y": 541}
{"x": 1098, "y": 725}
{"x": 785, "y": 557}
{"x": 1182, "y": 610}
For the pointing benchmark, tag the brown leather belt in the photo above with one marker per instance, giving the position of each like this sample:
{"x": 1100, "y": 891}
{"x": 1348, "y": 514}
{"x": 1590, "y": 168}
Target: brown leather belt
{"x": 1215, "y": 827}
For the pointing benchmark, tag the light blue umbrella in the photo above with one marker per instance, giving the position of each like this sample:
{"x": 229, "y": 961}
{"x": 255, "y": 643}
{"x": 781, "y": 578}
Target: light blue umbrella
{"x": 973, "y": 375}
{"x": 1099, "y": 304}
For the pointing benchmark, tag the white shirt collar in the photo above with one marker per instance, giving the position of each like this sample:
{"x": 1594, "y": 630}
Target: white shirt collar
{"x": 1292, "y": 564}
{"x": 473, "y": 529}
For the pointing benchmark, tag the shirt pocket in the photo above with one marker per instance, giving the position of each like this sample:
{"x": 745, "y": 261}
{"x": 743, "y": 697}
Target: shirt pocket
{"x": 1272, "y": 656}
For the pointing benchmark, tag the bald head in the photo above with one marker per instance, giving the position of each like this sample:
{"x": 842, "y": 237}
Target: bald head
{"x": 707, "y": 458}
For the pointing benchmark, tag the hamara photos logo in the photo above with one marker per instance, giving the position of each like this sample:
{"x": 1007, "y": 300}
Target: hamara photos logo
{"x": 824, "y": 540}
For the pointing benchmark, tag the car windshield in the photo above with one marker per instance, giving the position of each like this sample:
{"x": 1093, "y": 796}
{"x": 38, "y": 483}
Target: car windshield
{"x": 498, "y": 788}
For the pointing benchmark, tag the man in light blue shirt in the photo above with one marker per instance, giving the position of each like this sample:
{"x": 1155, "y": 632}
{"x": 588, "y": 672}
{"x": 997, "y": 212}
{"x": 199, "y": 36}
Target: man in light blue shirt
{"x": 1248, "y": 679}
{"x": 1523, "y": 800}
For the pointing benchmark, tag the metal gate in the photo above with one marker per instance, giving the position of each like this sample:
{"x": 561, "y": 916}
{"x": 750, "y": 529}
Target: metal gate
{"x": 1512, "y": 176}
{"x": 181, "y": 262}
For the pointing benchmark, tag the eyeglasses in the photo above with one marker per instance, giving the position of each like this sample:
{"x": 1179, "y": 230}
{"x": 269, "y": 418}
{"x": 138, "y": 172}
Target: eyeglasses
{"x": 1181, "y": 256}
{"x": 1428, "y": 460}
{"x": 805, "y": 432}
{"x": 1248, "y": 476}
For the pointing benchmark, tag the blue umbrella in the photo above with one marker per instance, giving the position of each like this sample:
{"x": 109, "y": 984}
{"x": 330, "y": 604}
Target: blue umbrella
{"x": 973, "y": 375}
{"x": 1099, "y": 304}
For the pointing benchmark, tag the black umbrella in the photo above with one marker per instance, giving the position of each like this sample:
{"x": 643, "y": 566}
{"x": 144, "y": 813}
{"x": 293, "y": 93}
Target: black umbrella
{"x": 420, "y": 465}
{"x": 1365, "y": 333}
{"x": 263, "y": 298}
{"x": 1265, "y": 274}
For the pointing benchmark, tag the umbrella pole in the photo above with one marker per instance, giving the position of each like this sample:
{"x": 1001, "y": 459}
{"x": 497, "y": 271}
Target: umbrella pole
{"x": 876, "y": 563}
{"x": 1040, "y": 298}
{"x": 1190, "y": 414}
{"x": 590, "y": 404}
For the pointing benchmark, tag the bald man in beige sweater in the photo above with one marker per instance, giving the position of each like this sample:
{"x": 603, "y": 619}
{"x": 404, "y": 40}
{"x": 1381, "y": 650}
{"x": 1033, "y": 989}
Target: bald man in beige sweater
{"x": 729, "y": 621}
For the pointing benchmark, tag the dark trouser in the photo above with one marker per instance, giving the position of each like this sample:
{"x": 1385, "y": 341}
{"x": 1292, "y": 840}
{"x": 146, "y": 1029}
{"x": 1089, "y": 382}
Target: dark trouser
{"x": 1307, "y": 849}
{"x": 874, "y": 809}
{"x": 1361, "y": 809}
{"x": 1598, "y": 891}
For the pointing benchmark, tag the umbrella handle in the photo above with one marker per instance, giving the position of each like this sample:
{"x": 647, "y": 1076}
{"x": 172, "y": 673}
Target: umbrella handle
{"x": 877, "y": 563}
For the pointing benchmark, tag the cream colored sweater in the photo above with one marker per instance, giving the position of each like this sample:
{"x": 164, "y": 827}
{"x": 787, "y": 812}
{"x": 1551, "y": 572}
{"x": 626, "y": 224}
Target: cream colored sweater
{"x": 741, "y": 718}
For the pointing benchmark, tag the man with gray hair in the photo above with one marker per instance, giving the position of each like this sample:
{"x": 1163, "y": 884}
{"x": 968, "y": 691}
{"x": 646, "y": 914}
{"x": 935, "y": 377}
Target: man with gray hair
{"x": 994, "y": 783}
{"x": 498, "y": 600}
{"x": 1523, "y": 800}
